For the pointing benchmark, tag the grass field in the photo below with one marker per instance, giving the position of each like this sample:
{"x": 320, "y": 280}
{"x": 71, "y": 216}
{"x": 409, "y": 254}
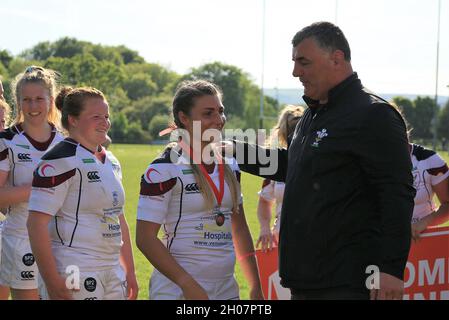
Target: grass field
{"x": 134, "y": 159}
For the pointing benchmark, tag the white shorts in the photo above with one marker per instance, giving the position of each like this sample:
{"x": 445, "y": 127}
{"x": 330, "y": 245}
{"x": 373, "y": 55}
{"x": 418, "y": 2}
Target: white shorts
{"x": 98, "y": 285}
{"x": 161, "y": 288}
{"x": 18, "y": 269}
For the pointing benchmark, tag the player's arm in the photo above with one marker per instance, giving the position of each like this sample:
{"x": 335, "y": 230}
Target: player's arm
{"x": 157, "y": 254}
{"x": 127, "y": 260}
{"x": 264, "y": 209}
{"x": 12, "y": 195}
{"x": 244, "y": 248}
{"x": 37, "y": 225}
{"x": 264, "y": 162}
{"x": 47, "y": 197}
{"x": 440, "y": 216}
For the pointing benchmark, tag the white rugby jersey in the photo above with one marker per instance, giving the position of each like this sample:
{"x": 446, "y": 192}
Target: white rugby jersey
{"x": 170, "y": 196}
{"x": 20, "y": 155}
{"x": 84, "y": 193}
{"x": 429, "y": 169}
{"x": 274, "y": 191}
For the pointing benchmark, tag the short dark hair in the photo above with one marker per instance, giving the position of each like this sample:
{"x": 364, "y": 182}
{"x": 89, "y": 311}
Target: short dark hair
{"x": 327, "y": 35}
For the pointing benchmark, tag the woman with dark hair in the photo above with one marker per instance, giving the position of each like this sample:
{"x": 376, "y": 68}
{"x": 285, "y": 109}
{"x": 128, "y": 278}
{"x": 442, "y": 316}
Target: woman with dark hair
{"x": 195, "y": 195}
{"x": 77, "y": 227}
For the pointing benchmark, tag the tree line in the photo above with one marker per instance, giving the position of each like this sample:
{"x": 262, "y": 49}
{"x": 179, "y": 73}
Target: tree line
{"x": 424, "y": 116}
{"x": 139, "y": 92}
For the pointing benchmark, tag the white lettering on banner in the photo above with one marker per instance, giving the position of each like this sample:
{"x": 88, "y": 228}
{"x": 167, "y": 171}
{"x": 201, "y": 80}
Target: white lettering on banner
{"x": 443, "y": 295}
{"x": 426, "y": 274}
{"x": 438, "y": 269}
{"x": 274, "y": 283}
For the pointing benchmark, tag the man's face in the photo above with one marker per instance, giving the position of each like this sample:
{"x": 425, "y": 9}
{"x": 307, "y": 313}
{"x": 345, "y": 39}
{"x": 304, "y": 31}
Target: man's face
{"x": 314, "y": 67}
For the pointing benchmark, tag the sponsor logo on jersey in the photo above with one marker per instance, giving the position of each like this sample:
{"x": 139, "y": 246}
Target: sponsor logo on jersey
{"x": 23, "y": 146}
{"x": 27, "y": 275}
{"x": 90, "y": 284}
{"x": 28, "y": 259}
{"x": 114, "y": 198}
{"x": 218, "y": 236}
{"x": 148, "y": 174}
{"x": 43, "y": 170}
{"x": 200, "y": 227}
{"x": 192, "y": 188}
{"x": 91, "y": 298}
{"x": 116, "y": 167}
{"x": 187, "y": 171}
{"x": 24, "y": 157}
{"x": 93, "y": 176}
{"x": 88, "y": 161}
{"x": 114, "y": 227}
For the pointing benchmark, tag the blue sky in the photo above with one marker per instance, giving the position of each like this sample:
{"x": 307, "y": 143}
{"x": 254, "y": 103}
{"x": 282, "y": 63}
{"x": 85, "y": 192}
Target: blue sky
{"x": 393, "y": 42}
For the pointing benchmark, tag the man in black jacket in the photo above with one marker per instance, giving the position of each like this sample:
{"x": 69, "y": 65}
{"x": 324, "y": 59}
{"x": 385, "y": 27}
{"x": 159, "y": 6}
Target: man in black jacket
{"x": 348, "y": 199}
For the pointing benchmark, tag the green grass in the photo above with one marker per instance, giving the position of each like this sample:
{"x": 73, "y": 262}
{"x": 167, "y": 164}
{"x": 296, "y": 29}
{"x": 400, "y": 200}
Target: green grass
{"x": 134, "y": 160}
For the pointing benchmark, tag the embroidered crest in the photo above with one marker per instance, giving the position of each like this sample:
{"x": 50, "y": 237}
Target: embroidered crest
{"x": 320, "y": 135}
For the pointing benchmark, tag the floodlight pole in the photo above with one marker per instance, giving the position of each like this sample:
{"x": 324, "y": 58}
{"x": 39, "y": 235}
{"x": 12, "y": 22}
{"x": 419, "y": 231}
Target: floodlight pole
{"x": 435, "y": 115}
{"x": 262, "y": 96}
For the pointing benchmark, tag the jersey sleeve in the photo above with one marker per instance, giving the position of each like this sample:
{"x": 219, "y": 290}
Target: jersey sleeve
{"x": 267, "y": 191}
{"x": 156, "y": 188}
{"x": 438, "y": 169}
{"x": 4, "y": 156}
{"x": 51, "y": 184}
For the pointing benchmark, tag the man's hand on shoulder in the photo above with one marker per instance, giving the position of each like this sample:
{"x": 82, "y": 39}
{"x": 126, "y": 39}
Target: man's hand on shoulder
{"x": 391, "y": 288}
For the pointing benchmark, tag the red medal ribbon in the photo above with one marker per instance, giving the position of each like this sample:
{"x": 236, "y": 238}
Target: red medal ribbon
{"x": 218, "y": 193}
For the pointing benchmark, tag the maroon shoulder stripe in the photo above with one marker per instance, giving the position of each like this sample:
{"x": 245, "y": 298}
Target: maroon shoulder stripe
{"x": 50, "y": 182}
{"x": 3, "y": 154}
{"x": 437, "y": 171}
{"x": 156, "y": 189}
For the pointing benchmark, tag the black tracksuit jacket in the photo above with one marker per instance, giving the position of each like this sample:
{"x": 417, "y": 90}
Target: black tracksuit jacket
{"x": 349, "y": 193}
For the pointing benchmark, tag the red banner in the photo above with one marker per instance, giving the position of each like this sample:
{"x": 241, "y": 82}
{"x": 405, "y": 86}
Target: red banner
{"x": 426, "y": 274}
{"x": 427, "y": 271}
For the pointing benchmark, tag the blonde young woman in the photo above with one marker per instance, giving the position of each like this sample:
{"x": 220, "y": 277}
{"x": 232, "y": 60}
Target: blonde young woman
{"x": 272, "y": 191}
{"x": 198, "y": 203}
{"x": 31, "y": 134}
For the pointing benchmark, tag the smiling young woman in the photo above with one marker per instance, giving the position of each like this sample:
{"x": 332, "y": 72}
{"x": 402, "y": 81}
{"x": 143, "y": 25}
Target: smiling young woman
{"x": 198, "y": 202}
{"x": 33, "y": 132}
{"x": 81, "y": 221}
